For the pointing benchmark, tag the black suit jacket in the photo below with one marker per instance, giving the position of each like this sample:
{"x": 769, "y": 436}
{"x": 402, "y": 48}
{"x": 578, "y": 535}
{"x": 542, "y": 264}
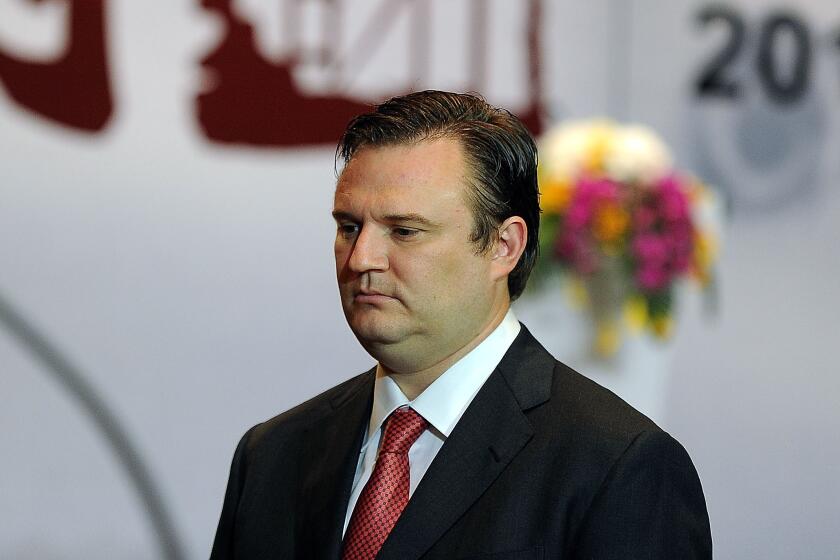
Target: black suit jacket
{"x": 543, "y": 464}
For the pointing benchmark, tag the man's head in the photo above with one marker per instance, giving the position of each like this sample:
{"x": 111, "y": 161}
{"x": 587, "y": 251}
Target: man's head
{"x": 437, "y": 213}
{"x": 500, "y": 153}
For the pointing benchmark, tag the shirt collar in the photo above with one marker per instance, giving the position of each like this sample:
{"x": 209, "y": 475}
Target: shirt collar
{"x": 444, "y": 401}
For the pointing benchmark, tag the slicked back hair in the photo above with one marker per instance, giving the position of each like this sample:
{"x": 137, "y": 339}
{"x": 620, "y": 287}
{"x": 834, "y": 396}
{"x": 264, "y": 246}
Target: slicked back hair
{"x": 499, "y": 151}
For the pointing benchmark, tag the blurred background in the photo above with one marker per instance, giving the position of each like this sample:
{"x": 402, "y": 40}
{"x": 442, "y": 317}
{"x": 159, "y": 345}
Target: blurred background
{"x": 166, "y": 270}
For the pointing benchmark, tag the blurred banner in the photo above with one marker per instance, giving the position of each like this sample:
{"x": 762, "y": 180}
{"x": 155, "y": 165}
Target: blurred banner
{"x": 166, "y": 274}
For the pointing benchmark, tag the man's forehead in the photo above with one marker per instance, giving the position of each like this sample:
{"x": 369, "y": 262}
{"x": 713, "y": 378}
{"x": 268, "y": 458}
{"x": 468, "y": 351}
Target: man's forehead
{"x": 395, "y": 202}
{"x": 399, "y": 197}
{"x": 436, "y": 164}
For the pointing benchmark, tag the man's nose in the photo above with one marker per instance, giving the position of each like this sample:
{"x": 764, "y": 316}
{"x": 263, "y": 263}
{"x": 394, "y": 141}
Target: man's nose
{"x": 369, "y": 251}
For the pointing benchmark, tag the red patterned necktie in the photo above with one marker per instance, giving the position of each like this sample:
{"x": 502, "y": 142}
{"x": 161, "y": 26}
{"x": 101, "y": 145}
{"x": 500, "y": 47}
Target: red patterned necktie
{"x": 386, "y": 493}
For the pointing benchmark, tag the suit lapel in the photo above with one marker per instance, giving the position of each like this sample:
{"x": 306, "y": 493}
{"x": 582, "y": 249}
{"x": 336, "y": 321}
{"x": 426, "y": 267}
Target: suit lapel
{"x": 492, "y": 431}
{"x": 328, "y": 464}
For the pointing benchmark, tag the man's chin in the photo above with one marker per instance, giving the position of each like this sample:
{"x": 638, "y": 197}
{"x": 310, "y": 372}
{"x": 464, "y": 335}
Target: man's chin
{"x": 376, "y": 337}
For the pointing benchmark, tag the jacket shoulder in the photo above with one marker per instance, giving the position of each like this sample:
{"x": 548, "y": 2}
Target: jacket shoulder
{"x": 298, "y": 418}
{"x": 595, "y": 407}
{"x": 564, "y": 404}
{"x": 596, "y": 428}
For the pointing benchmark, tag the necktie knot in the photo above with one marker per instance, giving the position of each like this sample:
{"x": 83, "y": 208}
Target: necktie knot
{"x": 403, "y": 428}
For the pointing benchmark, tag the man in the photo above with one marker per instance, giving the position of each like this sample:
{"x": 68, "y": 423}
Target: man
{"x": 467, "y": 440}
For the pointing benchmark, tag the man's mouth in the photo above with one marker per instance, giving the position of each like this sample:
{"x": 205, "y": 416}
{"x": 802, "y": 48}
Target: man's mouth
{"x": 371, "y": 297}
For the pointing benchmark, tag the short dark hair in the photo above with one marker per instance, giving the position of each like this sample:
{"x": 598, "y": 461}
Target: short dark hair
{"x": 498, "y": 148}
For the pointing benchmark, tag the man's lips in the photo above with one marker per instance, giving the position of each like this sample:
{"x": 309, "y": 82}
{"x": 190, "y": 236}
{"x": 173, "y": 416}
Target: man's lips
{"x": 372, "y": 297}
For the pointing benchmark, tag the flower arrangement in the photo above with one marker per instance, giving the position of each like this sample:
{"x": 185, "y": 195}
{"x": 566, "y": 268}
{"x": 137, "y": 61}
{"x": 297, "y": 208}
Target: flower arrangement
{"x": 622, "y": 223}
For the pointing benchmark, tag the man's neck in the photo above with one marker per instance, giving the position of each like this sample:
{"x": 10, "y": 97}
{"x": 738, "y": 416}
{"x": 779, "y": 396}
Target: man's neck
{"x": 412, "y": 383}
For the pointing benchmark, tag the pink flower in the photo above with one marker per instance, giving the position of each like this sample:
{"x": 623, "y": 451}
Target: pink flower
{"x": 564, "y": 248}
{"x": 605, "y": 190}
{"x": 578, "y": 216}
{"x": 650, "y": 249}
{"x": 681, "y": 262}
{"x": 644, "y": 217}
{"x": 576, "y": 250}
{"x": 651, "y": 278}
{"x": 661, "y": 233}
{"x": 673, "y": 202}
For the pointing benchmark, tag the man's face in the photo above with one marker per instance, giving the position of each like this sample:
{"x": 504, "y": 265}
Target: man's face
{"x": 413, "y": 288}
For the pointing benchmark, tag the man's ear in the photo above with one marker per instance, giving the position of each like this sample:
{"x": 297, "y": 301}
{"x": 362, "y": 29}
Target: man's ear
{"x": 510, "y": 244}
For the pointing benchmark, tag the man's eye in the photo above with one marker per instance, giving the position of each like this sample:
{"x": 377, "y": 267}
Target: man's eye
{"x": 347, "y": 229}
{"x": 404, "y": 232}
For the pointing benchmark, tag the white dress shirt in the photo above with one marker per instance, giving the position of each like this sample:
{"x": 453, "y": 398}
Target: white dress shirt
{"x": 442, "y": 404}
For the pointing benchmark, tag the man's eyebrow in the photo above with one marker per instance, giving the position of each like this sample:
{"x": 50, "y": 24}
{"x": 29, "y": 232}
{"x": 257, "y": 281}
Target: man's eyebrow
{"x": 410, "y": 217}
{"x": 339, "y": 215}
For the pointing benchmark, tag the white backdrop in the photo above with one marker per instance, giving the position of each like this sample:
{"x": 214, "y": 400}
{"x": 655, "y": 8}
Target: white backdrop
{"x": 191, "y": 281}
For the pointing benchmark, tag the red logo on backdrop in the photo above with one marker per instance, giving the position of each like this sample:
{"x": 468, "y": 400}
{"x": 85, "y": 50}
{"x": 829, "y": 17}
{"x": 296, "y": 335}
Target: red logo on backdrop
{"x": 74, "y": 89}
{"x": 257, "y": 101}
{"x": 252, "y": 99}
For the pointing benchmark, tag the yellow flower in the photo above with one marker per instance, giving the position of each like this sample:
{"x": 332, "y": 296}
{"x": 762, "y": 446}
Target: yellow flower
{"x": 601, "y": 137}
{"x": 705, "y": 253}
{"x": 662, "y": 326}
{"x": 576, "y": 293}
{"x": 636, "y": 313}
{"x": 610, "y": 223}
{"x": 555, "y": 196}
{"x": 607, "y": 338}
